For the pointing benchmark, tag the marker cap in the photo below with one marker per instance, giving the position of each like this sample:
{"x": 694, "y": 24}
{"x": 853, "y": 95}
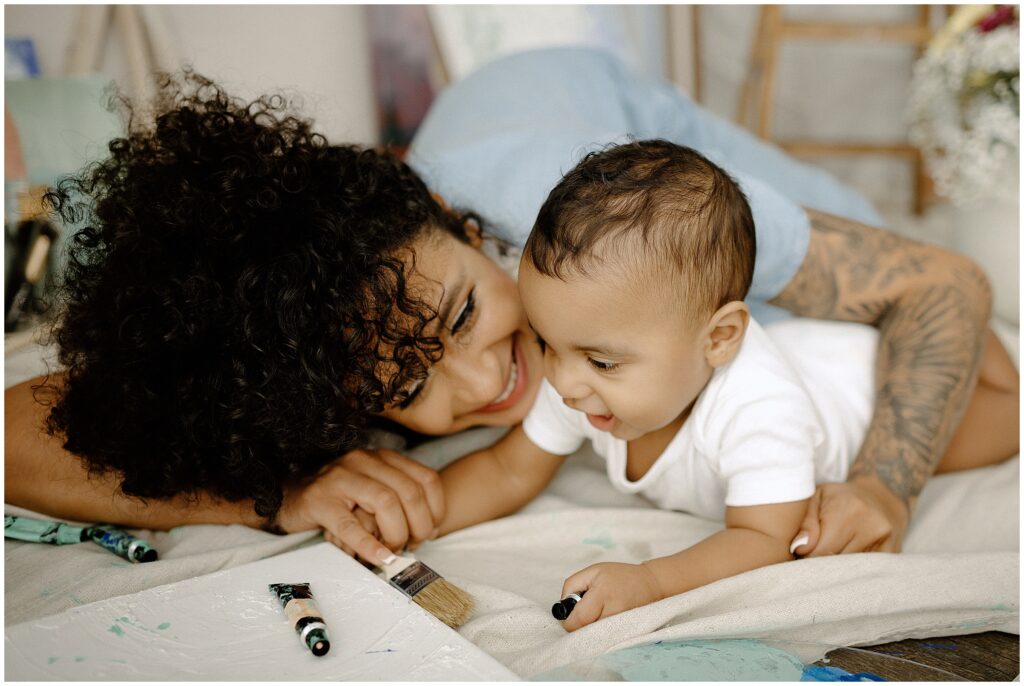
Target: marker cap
{"x": 563, "y": 608}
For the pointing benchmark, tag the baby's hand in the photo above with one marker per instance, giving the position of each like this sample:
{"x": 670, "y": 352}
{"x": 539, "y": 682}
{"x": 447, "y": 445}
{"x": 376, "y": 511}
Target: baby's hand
{"x": 611, "y": 588}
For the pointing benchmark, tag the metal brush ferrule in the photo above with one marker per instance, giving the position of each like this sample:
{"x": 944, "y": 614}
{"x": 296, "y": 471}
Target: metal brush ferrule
{"x": 414, "y": 578}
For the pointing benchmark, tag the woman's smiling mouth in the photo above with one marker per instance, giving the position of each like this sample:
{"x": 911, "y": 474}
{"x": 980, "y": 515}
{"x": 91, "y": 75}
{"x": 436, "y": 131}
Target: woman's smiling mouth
{"x": 514, "y": 386}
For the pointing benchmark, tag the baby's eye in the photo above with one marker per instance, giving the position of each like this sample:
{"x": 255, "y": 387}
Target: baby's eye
{"x": 602, "y": 366}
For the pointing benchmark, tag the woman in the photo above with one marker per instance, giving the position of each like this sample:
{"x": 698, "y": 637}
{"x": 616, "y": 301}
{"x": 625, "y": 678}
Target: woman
{"x": 251, "y": 302}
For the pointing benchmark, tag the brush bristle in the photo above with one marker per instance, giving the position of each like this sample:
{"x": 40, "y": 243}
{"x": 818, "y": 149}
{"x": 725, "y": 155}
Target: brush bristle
{"x": 446, "y": 601}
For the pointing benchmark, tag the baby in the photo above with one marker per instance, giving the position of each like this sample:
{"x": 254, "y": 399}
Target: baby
{"x": 634, "y": 279}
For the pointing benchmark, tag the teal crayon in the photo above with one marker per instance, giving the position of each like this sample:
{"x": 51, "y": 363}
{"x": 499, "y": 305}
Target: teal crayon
{"x": 131, "y": 548}
{"x": 43, "y": 531}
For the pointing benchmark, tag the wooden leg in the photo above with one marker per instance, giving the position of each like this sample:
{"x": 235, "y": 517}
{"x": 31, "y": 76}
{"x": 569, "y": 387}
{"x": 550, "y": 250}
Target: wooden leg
{"x": 136, "y": 52}
{"x": 755, "y": 68}
{"x": 695, "y": 28}
{"x": 922, "y": 182}
{"x": 772, "y": 15}
{"x": 87, "y": 39}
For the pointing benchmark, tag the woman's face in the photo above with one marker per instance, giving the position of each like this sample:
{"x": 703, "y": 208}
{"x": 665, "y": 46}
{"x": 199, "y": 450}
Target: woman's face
{"x": 492, "y": 364}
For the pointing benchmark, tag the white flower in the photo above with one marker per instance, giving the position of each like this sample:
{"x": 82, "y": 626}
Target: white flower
{"x": 964, "y": 109}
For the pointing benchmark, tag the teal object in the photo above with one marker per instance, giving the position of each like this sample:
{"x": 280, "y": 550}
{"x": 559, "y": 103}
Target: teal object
{"x": 718, "y": 660}
{"x": 63, "y": 123}
{"x": 42, "y": 531}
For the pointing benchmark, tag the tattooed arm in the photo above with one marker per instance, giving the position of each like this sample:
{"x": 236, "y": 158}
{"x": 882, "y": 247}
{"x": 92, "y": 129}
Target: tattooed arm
{"x": 931, "y": 307}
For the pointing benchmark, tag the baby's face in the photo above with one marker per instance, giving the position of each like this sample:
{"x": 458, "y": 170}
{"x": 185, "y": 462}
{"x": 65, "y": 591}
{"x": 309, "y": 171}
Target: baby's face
{"x": 614, "y": 352}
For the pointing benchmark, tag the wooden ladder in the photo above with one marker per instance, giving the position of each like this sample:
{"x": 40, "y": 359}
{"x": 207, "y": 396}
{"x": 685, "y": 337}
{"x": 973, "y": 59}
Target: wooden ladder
{"x": 772, "y": 29}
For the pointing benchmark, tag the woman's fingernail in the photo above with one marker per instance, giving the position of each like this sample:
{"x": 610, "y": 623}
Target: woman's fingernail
{"x": 801, "y": 539}
{"x": 386, "y": 556}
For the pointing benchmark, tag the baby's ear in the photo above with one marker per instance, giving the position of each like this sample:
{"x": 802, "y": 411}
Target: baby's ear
{"x": 725, "y": 332}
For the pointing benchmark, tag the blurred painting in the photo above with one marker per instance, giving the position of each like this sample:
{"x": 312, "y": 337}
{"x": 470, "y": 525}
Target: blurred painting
{"x": 404, "y": 70}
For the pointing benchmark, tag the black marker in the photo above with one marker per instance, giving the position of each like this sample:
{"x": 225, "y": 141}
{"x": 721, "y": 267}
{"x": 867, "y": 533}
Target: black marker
{"x": 563, "y": 607}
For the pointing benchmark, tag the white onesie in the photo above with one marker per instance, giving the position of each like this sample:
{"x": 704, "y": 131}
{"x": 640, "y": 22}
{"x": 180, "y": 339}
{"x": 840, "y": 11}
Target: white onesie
{"x": 790, "y": 410}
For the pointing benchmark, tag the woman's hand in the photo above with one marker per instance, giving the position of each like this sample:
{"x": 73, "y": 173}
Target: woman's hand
{"x": 861, "y": 515}
{"x": 398, "y": 500}
{"x": 611, "y": 588}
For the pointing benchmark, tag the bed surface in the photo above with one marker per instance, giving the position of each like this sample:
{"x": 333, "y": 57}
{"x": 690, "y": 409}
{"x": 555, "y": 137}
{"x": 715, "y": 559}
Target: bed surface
{"x": 959, "y": 573}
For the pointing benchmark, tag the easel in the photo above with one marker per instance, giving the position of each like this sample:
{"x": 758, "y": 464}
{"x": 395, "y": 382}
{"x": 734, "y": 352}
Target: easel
{"x": 145, "y": 42}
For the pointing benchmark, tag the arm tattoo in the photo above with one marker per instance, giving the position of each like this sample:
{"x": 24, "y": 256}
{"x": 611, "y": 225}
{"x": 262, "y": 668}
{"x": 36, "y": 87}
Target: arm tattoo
{"x": 931, "y": 310}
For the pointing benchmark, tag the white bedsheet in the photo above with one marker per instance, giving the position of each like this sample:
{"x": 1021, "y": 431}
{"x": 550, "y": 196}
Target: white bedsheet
{"x": 959, "y": 573}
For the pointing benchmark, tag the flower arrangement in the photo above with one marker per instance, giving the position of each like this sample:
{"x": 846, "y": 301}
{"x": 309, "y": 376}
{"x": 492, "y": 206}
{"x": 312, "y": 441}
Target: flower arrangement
{"x": 965, "y": 102}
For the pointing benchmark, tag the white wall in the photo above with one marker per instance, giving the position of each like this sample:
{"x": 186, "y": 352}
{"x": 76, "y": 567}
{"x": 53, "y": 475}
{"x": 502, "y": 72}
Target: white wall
{"x": 317, "y": 54}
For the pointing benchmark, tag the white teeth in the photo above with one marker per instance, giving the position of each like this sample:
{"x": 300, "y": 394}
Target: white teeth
{"x": 512, "y": 378}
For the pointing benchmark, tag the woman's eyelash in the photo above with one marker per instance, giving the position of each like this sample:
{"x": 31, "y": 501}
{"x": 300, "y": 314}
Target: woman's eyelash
{"x": 467, "y": 311}
{"x": 602, "y": 366}
{"x": 465, "y": 315}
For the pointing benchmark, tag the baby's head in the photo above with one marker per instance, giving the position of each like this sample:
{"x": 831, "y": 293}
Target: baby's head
{"x": 634, "y": 277}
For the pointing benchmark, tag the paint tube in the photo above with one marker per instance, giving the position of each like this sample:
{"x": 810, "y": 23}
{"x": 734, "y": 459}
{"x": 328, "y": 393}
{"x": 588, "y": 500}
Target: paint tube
{"x": 42, "y": 531}
{"x": 301, "y": 610}
{"x": 121, "y": 543}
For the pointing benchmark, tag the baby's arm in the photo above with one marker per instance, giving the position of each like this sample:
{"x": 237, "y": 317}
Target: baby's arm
{"x": 496, "y": 481}
{"x": 754, "y": 536}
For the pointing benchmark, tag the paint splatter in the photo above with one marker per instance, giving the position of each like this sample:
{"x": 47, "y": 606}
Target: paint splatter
{"x": 52, "y": 660}
{"x": 79, "y": 658}
{"x": 603, "y": 540}
{"x": 950, "y": 646}
{"x": 386, "y": 650}
{"x": 1004, "y": 608}
{"x": 115, "y": 629}
{"x": 164, "y": 625}
{"x": 818, "y": 673}
{"x": 133, "y": 623}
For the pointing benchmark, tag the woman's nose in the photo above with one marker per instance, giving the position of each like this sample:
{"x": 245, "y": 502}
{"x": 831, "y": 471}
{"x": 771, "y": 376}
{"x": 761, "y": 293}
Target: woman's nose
{"x": 479, "y": 378}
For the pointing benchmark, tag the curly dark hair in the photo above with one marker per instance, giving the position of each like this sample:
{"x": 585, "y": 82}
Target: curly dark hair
{"x": 235, "y": 309}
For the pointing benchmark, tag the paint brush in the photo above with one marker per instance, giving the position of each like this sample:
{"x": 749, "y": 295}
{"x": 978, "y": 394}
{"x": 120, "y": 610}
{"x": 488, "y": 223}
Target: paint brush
{"x": 428, "y": 589}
